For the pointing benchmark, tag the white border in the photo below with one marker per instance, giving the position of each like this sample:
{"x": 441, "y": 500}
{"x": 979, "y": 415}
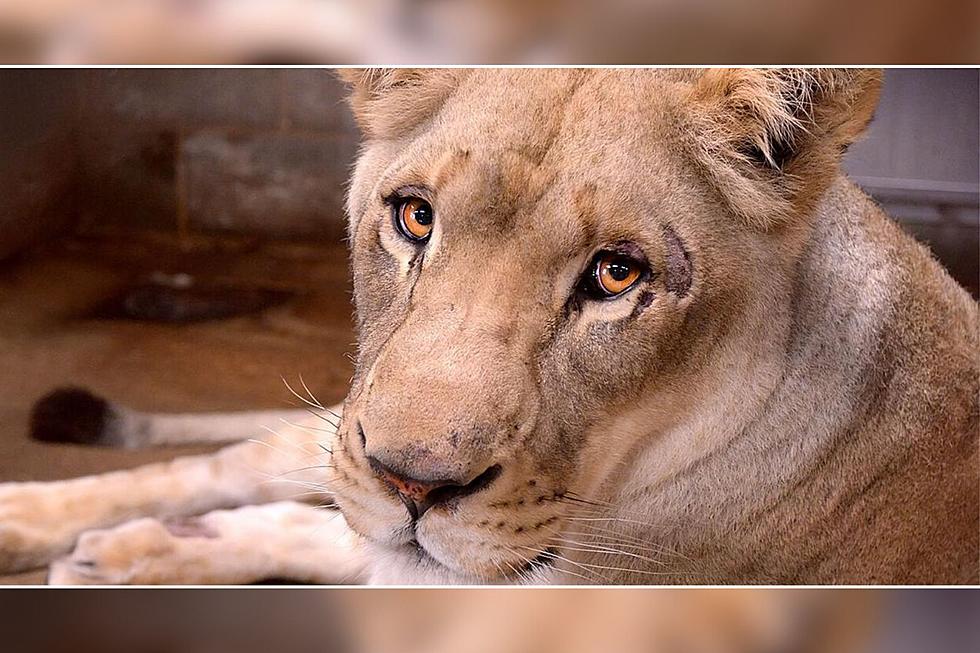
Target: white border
{"x": 487, "y": 66}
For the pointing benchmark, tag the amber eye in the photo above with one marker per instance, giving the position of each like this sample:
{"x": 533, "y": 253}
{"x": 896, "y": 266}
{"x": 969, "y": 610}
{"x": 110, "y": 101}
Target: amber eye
{"x": 414, "y": 217}
{"x": 615, "y": 274}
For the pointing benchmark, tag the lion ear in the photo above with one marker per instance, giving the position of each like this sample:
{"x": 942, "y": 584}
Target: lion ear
{"x": 388, "y": 102}
{"x": 772, "y": 140}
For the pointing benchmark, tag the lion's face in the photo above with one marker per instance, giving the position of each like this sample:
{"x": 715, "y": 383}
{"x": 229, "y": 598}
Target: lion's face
{"x": 535, "y": 254}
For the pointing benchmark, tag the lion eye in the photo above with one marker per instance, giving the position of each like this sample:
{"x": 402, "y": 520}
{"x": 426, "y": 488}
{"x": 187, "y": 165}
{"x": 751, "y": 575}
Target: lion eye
{"x": 414, "y": 217}
{"x": 614, "y": 274}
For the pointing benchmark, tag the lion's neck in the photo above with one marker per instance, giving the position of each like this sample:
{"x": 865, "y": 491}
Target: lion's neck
{"x": 720, "y": 486}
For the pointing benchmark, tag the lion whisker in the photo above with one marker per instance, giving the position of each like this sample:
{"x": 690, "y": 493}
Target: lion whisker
{"x": 637, "y": 542}
{"x": 549, "y": 554}
{"x": 596, "y": 548}
{"x": 626, "y": 569}
{"x": 626, "y": 520}
{"x": 559, "y": 557}
{"x": 308, "y": 468}
{"x": 298, "y": 446}
{"x": 611, "y": 549}
{"x": 302, "y": 495}
{"x": 323, "y": 417}
{"x": 515, "y": 572}
{"x": 292, "y": 481}
{"x": 312, "y": 430}
{"x": 299, "y": 396}
{"x": 310, "y": 393}
{"x": 573, "y": 497}
{"x": 301, "y": 453}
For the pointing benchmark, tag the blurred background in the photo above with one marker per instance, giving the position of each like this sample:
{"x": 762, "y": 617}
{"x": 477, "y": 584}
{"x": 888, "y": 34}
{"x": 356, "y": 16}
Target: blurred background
{"x": 476, "y": 621}
{"x": 173, "y": 238}
{"x": 489, "y": 31}
{"x": 265, "y": 153}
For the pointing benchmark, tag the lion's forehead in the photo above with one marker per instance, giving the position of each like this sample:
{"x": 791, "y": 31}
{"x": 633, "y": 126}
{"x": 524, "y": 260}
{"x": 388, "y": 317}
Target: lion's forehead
{"x": 574, "y": 114}
{"x": 566, "y": 156}
{"x": 564, "y": 187}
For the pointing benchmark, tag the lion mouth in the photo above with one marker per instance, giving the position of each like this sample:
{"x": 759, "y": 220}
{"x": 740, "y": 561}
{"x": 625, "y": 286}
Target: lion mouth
{"x": 445, "y": 495}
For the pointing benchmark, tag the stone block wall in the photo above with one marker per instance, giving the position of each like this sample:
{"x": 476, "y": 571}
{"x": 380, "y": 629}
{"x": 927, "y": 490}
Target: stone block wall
{"x": 256, "y": 151}
{"x": 37, "y": 156}
{"x": 267, "y": 152}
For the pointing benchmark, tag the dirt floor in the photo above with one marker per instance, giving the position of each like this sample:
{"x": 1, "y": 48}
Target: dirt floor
{"x": 54, "y": 332}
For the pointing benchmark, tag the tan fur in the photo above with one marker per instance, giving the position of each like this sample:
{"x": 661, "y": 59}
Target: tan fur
{"x": 790, "y": 396}
{"x": 798, "y": 406}
{"x": 284, "y": 540}
{"x": 818, "y": 112}
{"x": 96, "y": 519}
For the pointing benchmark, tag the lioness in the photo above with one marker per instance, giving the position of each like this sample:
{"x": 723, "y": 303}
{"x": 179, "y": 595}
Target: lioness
{"x": 614, "y": 326}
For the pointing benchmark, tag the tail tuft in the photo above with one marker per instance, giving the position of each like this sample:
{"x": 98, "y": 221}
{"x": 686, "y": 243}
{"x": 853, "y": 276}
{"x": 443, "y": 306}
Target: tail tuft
{"x": 73, "y": 415}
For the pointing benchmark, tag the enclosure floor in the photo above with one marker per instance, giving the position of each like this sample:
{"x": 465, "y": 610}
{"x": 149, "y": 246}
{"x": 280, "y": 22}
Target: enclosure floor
{"x": 48, "y": 339}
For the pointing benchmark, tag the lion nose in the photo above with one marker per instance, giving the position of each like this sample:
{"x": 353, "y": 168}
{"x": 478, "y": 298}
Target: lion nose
{"x": 419, "y": 495}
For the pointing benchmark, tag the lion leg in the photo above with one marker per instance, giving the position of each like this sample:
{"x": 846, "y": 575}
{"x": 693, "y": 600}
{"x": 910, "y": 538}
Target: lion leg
{"x": 42, "y": 521}
{"x": 284, "y": 540}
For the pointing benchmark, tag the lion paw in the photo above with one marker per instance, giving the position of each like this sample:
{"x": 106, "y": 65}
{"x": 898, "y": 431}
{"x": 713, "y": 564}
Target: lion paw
{"x": 32, "y": 532}
{"x": 137, "y": 552}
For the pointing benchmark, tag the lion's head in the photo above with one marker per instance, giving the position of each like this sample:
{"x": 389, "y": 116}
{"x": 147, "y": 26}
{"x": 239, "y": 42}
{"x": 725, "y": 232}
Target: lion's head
{"x": 550, "y": 267}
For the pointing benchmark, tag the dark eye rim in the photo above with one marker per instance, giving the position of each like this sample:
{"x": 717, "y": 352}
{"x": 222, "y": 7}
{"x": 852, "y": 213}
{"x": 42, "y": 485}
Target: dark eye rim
{"x": 589, "y": 284}
{"x": 397, "y": 203}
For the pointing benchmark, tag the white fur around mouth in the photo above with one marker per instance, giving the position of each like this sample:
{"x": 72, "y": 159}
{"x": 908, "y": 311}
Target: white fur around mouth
{"x": 421, "y": 558}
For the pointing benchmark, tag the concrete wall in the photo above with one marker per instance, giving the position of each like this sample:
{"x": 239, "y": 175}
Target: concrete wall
{"x": 37, "y": 155}
{"x": 921, "y": 160}
{"x": 268, "y": 151}
{"x": 258, "y": 151}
